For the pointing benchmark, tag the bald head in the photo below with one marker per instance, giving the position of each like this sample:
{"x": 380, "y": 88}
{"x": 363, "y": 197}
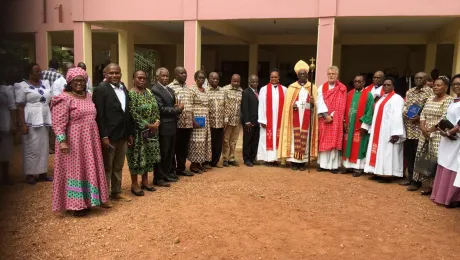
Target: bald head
{"x": 213, "y": 79}
{"x": 112, "y": 73}
{"x": 253, "y": 81}
{"x": 236, "y": 81}
{"x": 180, "y": 74}
{"x": 378, "y": 78}
{"x": 420, "y": 79}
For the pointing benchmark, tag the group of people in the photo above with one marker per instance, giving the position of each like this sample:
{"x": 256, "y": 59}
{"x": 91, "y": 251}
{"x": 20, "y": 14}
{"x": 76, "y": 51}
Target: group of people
{"x": 157, "y": 128}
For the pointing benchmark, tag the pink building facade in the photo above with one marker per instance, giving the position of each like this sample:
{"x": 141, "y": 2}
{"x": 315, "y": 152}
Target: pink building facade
{"x": 356, "y": 35}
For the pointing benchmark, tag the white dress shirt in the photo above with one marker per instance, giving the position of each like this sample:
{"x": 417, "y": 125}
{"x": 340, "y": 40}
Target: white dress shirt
{"x": 121, "y": 95}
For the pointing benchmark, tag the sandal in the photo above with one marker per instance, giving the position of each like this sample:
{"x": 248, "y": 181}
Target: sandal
{"x": 137, "y": 193}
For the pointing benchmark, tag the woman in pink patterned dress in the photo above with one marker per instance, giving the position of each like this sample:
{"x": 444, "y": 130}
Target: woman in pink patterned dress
{"x": 79, "y": 179}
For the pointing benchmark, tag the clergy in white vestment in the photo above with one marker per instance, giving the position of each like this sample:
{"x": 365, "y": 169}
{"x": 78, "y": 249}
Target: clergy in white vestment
{"x": 332, "y": 100}
{"x": 387, "y": 134}
{"x": 376, "y": 88}
{"x": 271, "y": 101}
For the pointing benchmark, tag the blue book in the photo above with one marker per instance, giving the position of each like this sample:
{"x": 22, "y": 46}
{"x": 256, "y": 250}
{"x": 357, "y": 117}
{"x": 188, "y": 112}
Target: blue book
{"x": 201, "y": 120}
{"x": 414, "y": 110}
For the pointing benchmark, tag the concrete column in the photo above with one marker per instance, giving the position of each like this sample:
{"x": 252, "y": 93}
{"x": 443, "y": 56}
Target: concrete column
{"x": 325, "y": 48}
{"x": 456, "y": 62}
{"x": 43, "y": 48}
{"x": 179, "y": 55}
{"x": 337, "y": 55}
{"x": 253, "y": 59}
{"x": 114, "y": 53}
{"x": 430, "y": 57}
{"x": 83, "y": 45}
{"x": 126, "y": 56}
{"x": 192, "y": 48}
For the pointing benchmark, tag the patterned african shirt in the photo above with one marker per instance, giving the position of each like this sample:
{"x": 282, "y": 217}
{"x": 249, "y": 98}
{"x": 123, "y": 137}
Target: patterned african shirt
{"x": 184, "y": 96}
{"x": 419, "y": 97}
{"x": 51, "y": 75}
{"x": 216, "y": 98}
{"x": 233, "y": 98}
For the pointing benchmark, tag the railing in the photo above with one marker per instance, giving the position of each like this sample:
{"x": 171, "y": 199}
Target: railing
{"x": 141, "y": 63}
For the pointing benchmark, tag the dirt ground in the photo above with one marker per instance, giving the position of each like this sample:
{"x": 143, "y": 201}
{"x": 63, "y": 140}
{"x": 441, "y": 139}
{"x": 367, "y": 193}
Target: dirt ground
{"x": 235, "y": 213}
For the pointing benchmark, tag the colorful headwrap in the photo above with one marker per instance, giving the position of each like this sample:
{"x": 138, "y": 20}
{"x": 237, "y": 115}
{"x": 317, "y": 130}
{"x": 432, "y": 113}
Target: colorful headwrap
{"x": 73, "y": 72}
{"x": 301, "y": 65}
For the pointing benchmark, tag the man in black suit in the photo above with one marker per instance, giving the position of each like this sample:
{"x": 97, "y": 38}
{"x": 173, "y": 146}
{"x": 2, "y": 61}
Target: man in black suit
{"x": 250, "y": 109}
{"x": 169, "y": 111}
{"x": 405, "y": 83}
{"x": 115, "y": 128}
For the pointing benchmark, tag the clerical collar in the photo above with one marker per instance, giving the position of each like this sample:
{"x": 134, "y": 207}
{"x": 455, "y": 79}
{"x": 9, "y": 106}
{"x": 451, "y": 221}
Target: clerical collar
{"x": 301, "y": 84}
{"x": 359, "y": 90}
{"x": 377, "y": 86}
{"x": 275, "y": 85}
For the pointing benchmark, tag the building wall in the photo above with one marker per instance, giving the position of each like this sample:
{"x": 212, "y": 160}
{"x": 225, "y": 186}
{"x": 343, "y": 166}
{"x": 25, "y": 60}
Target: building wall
{"x": 148, "y": 10}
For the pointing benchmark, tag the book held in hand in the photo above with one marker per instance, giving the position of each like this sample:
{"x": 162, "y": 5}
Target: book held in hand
{"x": 414, "y": 110}
{"x": 201, "y": 120}
{"x": 445, "y": 124}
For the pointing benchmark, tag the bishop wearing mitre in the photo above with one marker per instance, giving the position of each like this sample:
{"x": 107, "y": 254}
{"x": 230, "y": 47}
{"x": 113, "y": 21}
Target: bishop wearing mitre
{"x": 297, "y": 144}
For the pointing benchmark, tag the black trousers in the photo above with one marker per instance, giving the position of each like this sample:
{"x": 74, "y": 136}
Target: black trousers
{"x": 167, "y": 147}
{"x": 217, "y": 139}
{"x": 250, "y": 143}
{"x": 182, "y": 144}
{"x": 410, "y": 149}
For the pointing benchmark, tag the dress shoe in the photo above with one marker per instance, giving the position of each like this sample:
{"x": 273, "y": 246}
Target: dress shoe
{"x": 255, "y": 162}
{"x": 147, "y": 188}
{"x": 385, "y": 180}
{"x": 426, "y": 191}
{"x": 185, "y": 173}
{"x": 121, "y": 197}
{"x": 137, "y": 193}
{"x": 358, "y": 173}
{"x": 302, "y": 167}
{"x": 225, "y": 164}
{"x": 207, "y": 166}
{"x": 234, "y": 163}
{"x": 335, "y": 171}
{"x": 44, "y": 177}
{"x": 217, "y": 166}
{"x": 169, "y": 179}
{"x": 319, "y": 169}
{"x": 107, "y": 205}
{"x": 294, "y": 167}
{"x": 374, "y": 177}
{"x": 346, "y": 171}
{"x": 405, "y": 183}
{"x": 414, "y": 186}
{"x": 161, "y": 183}
{"x": 248, "y": 163}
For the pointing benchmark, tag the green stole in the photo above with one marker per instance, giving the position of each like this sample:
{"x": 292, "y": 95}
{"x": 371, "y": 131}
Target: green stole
{"x": 359, "y": 107}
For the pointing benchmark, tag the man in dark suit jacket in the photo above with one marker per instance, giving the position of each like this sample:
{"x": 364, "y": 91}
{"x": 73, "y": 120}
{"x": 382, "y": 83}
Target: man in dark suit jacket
{"x": 404, "y": 83}
{"x": 169, "y": 110}
{"x": 115, "y": 127}
{"x": 250, "y": 109}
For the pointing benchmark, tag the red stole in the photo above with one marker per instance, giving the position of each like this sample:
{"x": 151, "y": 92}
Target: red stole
{"x": 376, "y": 130}
{"x": 356, "y": 133}
{"x": 330, "y": 136}
{"x": 269, "y": 129}
{"x": 301, "y": 133}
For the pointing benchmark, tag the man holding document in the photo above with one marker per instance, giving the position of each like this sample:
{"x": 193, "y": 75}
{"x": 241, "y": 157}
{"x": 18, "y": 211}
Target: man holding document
{"x": 415, "y": 101}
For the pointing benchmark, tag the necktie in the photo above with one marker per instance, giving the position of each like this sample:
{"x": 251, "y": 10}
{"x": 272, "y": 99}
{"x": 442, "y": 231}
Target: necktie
{"x": 257, "y": 94}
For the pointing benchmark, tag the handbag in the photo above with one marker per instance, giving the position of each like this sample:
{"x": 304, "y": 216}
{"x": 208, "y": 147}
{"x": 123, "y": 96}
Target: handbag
{"x": 426, "y": 163}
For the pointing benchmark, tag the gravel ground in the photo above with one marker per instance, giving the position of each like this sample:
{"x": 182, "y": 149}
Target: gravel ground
{"x": 235, "y": 213}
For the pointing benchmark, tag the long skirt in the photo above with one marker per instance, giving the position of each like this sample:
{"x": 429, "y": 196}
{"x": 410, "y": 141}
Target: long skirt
{"x": 444, "y": 192}
{"x": 79, "y": 176}
{"x": 199, "y": 150}
{"x": 36, "y": 150}
{"x": 6, "y": 147}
